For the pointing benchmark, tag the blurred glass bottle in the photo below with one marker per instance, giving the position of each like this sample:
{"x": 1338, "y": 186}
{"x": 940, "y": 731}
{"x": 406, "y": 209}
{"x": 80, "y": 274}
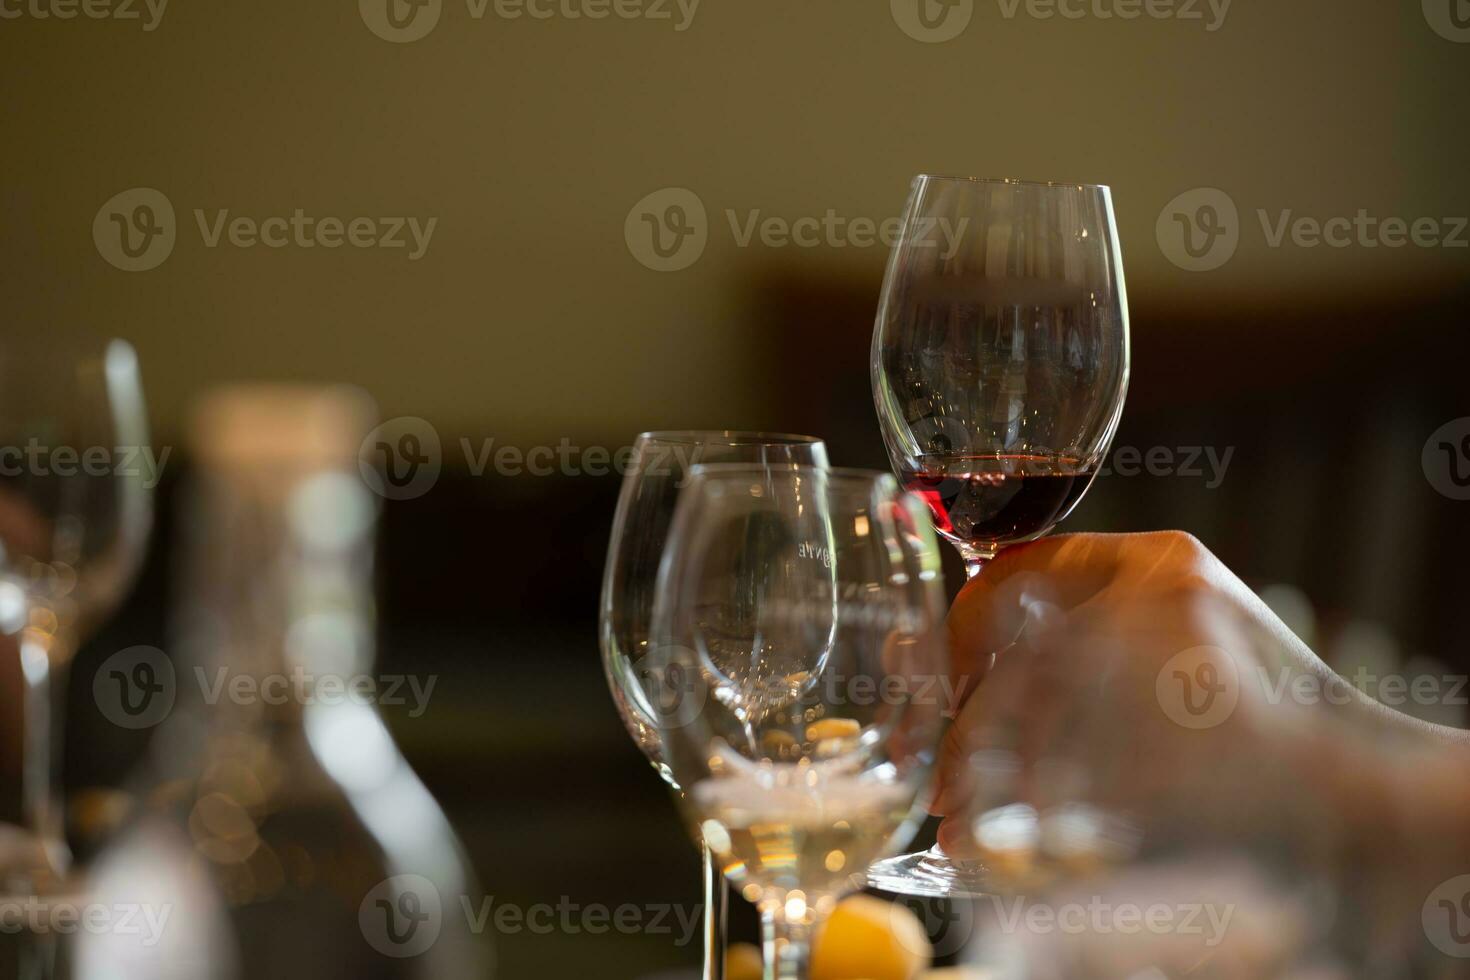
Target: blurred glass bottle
{"x": 283, "y": 834}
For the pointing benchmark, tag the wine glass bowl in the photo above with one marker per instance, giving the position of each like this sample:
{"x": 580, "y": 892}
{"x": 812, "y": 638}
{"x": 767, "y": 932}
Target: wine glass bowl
{"x": 1000, "y": 361}
{"x": 75, "y": 474}
{"x": 658, "y": 471}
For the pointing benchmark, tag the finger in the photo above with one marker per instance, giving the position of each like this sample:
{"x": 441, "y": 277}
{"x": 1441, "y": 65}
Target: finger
{"x": 987, "y": 720}
{"x": 956, "y": 839}
{"x": 1065, "y": 570}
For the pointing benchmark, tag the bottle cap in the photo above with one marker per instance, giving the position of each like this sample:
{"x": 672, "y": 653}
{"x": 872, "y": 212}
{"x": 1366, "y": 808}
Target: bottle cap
{"x": 270, "y": 425}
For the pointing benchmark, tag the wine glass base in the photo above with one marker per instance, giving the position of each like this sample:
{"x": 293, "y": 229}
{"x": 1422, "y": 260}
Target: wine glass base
{"x": 31, "y": 866}
{"x": 931, "y": 873}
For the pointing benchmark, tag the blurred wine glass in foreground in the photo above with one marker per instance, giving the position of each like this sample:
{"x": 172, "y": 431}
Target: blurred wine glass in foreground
{"x": 659, "y": 469}
{"x": 798, "y": 638}
{"x": 1161, "y": 789}
{"x": 999, "y": 368}
{"x": 76, "y": 473}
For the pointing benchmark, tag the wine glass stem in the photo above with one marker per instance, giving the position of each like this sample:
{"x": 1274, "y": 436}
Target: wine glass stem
{"x": 787, "y": 945}
{"x": 43, "y": 658}
{"x": 975, "y": 559}
{"x": 714, "y": 918}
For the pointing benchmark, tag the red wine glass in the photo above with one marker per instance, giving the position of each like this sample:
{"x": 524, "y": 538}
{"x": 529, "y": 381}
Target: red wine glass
{"x": 1000, "y": 365}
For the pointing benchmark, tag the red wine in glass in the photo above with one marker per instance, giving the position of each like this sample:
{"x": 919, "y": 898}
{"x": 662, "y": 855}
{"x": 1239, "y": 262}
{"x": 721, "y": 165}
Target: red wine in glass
{"x": 982, "y": 503}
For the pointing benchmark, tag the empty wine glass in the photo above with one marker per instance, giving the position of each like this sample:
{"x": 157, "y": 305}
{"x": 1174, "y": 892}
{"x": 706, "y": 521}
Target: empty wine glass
{"x": 658, "y": 470}
{"x": 75, "y": 476}
{"x": 999, "y": 365}
{"x": 797, "y": 637}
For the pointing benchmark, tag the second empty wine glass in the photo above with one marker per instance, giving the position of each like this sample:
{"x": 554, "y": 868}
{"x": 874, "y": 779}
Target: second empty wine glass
{"x": 659, "y": 469}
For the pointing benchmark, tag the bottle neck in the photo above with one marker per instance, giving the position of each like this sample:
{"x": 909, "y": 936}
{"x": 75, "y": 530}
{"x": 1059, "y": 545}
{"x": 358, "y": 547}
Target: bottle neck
{"x": 279, "y": 618}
